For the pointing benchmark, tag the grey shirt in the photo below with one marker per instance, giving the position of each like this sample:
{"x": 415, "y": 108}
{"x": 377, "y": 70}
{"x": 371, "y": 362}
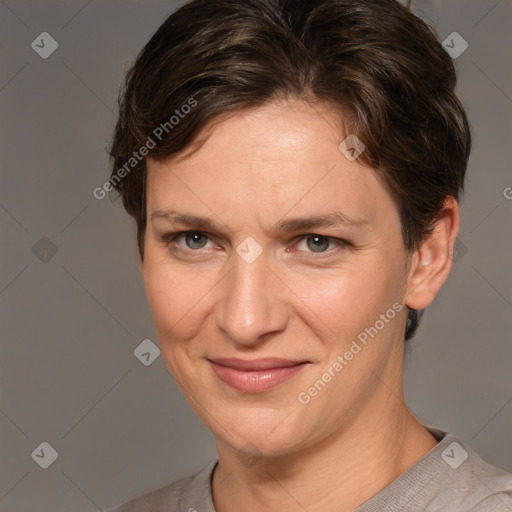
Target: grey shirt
{"x": 449, "y": 478}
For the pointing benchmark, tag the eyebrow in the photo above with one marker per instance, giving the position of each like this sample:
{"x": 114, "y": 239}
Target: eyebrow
{"x": 286, "y": 225}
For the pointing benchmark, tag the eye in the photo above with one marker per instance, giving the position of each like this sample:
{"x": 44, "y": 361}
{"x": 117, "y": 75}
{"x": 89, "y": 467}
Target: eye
{"x": 194, "y": 240}
{"x": 319, "y": 244}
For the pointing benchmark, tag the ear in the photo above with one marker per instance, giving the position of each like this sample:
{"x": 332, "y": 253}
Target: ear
{"x": 432, "y": 261}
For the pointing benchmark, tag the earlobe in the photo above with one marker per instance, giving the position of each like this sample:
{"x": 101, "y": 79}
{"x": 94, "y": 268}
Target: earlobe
{"x": 432, "y": 261}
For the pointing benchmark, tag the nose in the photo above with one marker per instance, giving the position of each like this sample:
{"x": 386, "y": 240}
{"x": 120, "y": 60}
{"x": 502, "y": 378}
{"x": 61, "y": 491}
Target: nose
{"x": 253, "y": 302}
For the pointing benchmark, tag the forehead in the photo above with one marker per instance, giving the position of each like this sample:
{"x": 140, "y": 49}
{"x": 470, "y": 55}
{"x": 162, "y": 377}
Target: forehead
{"x": 279, "y": 158}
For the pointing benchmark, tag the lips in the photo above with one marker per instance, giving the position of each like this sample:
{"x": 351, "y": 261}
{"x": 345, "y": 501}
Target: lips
{"x": 257, "y": 375}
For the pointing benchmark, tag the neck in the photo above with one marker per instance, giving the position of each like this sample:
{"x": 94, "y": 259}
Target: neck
{"x": 342, "y": 472}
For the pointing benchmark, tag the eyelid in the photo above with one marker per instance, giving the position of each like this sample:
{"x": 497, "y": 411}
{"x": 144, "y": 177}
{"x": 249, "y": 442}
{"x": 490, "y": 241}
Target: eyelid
{"x": 172, "y": 237}
{"x": 336, "y": 241}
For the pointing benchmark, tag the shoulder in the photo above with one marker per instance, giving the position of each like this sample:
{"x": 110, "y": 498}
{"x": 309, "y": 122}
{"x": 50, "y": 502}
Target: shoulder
{"x": 475, "y": 485}
{"x": 464, "y": 481}
{"x": 450, "y": 478}
{"x": 166, "y": 498}
{"x": 174, "y": 496}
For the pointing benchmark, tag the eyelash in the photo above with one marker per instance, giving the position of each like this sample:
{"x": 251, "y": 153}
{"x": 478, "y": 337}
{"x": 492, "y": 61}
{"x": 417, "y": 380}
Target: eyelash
{"x": 170, "y": 238}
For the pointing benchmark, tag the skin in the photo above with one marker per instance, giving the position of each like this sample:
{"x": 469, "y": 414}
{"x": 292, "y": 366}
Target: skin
{"x": 296, "y": 301}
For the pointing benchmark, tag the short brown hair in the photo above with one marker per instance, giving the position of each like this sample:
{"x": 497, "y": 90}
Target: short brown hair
{"x": 374, "y": 61}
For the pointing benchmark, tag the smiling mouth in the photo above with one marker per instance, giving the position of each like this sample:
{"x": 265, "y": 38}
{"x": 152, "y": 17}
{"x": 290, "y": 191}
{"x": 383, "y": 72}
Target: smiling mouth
{"x": 255, "y": 376}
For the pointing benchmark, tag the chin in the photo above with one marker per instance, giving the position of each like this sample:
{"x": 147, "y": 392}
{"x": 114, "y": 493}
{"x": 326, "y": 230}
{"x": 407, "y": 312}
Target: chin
{"x": 257, "y": 432}
{"x": 246, "y": 445}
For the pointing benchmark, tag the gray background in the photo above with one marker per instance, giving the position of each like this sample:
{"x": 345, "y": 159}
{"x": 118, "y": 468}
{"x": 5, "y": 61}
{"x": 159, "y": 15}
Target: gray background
{"x": 71, "y": 320}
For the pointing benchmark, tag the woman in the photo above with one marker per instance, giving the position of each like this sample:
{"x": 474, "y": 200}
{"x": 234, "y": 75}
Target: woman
{"x": 294, "y": 169}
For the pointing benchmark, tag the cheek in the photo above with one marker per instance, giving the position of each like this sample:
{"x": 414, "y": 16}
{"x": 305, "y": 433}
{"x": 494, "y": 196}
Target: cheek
{"x": 345, "y": 302}
{"x": 177, "y": 299}
{"x": 179, "y": 302}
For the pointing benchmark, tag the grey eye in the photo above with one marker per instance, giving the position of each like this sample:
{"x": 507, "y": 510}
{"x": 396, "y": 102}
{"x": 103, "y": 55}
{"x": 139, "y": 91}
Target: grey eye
{"x": 318, "y": 243}
{"x": 197, "y": 240}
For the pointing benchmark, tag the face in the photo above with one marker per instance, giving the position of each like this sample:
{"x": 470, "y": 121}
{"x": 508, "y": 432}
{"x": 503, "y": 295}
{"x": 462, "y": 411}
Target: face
{"x": 269, "y": 258}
